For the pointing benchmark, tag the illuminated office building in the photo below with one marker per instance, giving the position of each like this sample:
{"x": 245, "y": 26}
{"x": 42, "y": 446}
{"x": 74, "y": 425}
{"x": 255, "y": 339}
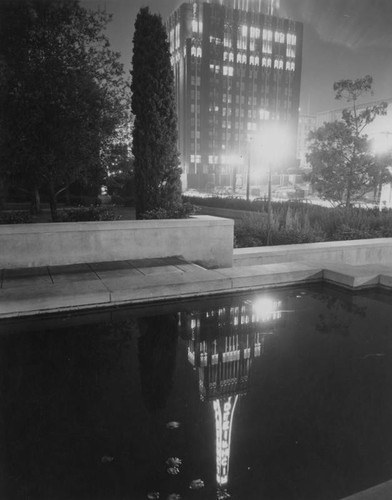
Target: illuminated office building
{"x": 237, "y": 68}
{"x": 222, "y": 344}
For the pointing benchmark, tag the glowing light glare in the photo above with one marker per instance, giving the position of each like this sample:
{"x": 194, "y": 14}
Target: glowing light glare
{"x": 275, "y": 142}
{"x": 266, "y": 309}
{"x": 382, "y": 143}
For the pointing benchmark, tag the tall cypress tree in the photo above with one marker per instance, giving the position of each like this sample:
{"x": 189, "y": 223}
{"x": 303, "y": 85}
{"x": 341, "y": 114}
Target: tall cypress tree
{"x": 157, "y": 171}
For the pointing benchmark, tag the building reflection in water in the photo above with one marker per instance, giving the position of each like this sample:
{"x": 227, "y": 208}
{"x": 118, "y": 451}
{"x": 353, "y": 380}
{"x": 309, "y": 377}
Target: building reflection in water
{"x": 222, "y": 344}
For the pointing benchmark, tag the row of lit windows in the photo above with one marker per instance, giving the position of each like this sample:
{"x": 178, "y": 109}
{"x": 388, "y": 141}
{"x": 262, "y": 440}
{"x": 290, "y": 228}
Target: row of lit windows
{"x": 267, "y": 35}
{"x": 266, "y": 62}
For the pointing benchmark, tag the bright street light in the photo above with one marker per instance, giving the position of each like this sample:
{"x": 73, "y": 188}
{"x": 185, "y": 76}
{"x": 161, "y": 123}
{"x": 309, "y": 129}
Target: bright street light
{"x": 274, "y": 146}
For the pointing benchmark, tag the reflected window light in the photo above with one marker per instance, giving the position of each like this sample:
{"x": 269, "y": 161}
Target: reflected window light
{"x": 266, "y": 309}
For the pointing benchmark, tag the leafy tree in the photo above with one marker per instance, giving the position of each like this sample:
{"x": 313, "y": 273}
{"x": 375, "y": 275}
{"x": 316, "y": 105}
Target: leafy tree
{"x": 157, "y": 171}
{"x": 343, "y": 167}
{"x": 63, "y": 96}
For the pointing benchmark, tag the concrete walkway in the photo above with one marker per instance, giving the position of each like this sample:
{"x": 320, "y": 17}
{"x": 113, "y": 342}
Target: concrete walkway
{"x": 33, "y": 291}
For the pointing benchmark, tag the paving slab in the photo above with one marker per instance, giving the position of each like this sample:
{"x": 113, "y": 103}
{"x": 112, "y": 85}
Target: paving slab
{"x": 166, "y": 286}
{"x": 29, "y": 276}
{"x": 72, "y": 274}
{"x": 54, "y": 297}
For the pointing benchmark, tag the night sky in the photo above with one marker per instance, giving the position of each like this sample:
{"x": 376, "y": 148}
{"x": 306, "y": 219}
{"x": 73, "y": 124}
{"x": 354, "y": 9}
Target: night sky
{"x": 342, "y": 39}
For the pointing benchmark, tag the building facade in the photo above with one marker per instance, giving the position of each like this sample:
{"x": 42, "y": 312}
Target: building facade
{"x": 237, "y": 69}
{"x": 306, "y": 124}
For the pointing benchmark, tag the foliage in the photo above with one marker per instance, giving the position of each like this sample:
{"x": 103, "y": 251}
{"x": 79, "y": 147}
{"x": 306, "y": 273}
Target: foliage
{"x": 15, "y": 217}
{"x": 176, "y": 211}
{"x": 121, "y": 183}
{"x": 298, "y": 222}
{"x": 157, "y": 171}
{"x": 343, "y": 167}
{"x": 92, "y": 213}
{"x": 63, "y": 97}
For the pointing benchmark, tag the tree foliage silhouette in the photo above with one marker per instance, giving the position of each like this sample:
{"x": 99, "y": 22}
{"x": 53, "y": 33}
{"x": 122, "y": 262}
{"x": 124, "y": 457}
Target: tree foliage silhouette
{"x": 343, "y": 166}
{"x": 157, "y": 171}
{"x": 63, "y": 95}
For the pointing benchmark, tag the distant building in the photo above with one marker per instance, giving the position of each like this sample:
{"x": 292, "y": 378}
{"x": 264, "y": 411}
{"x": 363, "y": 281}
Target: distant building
{"x": 379, "y": 128}
{"x": 237, "y": 68}
{"x": 306, "y": 123}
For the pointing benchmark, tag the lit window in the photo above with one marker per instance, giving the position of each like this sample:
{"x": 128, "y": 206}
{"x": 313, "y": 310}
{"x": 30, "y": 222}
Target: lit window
{"x": 194, "y": 26}
{"x": 193, "y": 51}
{"x": 225, "y": 56}
{"x": 254, "y": 32}
{"x": 198, "y": 52}
{"x": 290, "y": 51}
{"x": 231, "y": 57}
{"x": 177, "y": 36}
{"x": 252, "y": 60}
{"x": 172, "y": 39}
{"x": 267, "y": 35}
{"x": 227, "y": 40}
{"x": 291, "y": 39}
{"x": 244, "y": 30}
{"x": 257, "y": 61}
{"x": 264, "y": 114}
{"x": 244, "y": 58}
{"x": 238, "y": 58}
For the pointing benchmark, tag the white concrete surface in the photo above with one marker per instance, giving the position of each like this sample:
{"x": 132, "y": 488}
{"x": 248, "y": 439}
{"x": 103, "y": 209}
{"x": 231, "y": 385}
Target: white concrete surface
{"x": 201, "y": 239}
{"x": 354, "y": 252}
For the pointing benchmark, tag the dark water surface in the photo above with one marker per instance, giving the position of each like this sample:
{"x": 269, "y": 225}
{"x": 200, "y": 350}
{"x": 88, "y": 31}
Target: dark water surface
{"x": 277, "y": 395}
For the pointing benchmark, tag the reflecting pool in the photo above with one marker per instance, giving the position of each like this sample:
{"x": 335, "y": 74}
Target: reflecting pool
{"x": 274, "y": 395}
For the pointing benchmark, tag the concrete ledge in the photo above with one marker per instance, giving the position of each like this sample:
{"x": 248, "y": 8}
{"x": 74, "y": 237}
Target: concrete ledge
{"x": 43, "y": 299}
{"x": 353, "y": 252}
{"x": 348, "y": 276}
{"x": 202, "y": 239}
{"x": 271, "y": 275}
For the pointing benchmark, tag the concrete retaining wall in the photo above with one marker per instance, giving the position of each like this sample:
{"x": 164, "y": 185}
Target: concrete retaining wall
{"x": 202, "y": 239}
{"x": 354, "y": 252}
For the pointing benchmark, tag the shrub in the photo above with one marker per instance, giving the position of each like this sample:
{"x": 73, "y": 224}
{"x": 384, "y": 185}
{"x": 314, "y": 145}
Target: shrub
{"x": 176, "y": 211}
{"x": 92, "y": 213}
{"x": 15, "y": 217}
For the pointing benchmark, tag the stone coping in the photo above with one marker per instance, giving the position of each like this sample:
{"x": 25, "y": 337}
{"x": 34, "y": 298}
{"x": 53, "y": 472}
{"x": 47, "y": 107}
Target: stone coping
{"x": 50, "y": 289}
{"x": 357, "y": 252}
{"x": 50, "y": 227}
